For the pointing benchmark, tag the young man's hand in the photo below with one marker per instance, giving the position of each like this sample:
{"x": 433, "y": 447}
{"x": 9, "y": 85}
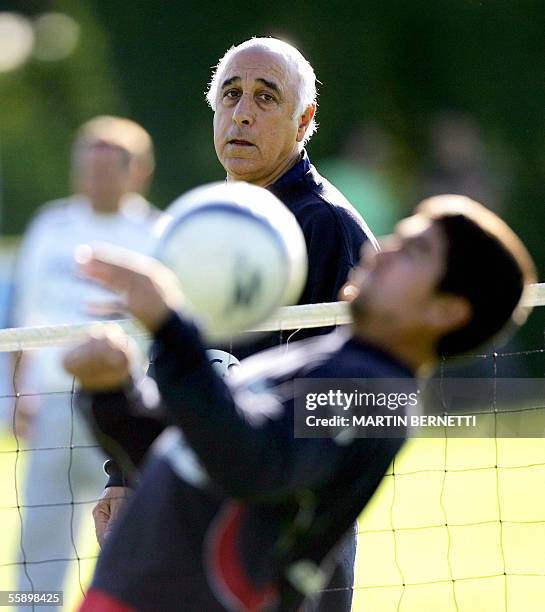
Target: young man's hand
{"x": 103, "y": 361}
{"x": 147, "y": 289}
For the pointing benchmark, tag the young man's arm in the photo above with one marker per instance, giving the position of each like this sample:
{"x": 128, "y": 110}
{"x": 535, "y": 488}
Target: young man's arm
{"x": 244, "y": 450}
{"x": 122, "y": 427}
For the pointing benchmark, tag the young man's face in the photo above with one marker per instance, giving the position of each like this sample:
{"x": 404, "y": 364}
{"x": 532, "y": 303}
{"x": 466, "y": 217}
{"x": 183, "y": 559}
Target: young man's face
{"x": 397, "y": 287}
{"x": 255, "y": 130}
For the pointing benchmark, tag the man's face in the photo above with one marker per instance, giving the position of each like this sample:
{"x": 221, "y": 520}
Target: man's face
{"x": 101, "y": 171}
{"x": 255, "y": 130}
{"x": 396, "y": 288}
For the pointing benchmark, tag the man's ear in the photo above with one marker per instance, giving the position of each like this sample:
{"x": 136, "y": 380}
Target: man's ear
{"x": 449, "y": 312}
{"x": 305, "y": 120}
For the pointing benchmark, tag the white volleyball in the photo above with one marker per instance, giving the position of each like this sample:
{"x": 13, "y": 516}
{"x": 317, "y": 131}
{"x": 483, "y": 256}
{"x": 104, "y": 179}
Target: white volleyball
{"x": 238, "y": 253}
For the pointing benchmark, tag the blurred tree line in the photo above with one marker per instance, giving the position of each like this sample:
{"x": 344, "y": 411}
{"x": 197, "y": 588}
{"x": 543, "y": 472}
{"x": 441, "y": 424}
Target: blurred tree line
{"x": 393, "y": 62}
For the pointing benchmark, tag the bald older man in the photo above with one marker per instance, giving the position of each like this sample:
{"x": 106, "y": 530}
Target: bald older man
{"x": 263, "y": 94}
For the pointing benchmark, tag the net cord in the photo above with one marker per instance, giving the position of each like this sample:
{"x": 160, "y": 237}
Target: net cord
{"x": 285, "y": 318}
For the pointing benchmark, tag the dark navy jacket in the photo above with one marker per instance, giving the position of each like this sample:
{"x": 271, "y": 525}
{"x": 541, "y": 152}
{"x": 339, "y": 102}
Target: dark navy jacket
{"x": 334, "y": 231}
{"x": 334, "y": 234}
{"x": 228, "y": 508}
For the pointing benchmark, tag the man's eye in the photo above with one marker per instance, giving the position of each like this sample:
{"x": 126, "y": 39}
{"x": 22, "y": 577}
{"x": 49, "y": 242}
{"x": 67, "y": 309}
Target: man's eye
{"x": 266, "y": 97}
{"x": 231, "y": 94}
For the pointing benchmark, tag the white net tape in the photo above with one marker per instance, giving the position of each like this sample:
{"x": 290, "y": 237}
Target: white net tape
{"x": 286, "y": 318}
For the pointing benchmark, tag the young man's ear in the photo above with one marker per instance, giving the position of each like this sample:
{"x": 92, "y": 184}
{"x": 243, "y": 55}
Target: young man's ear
{"x": 449, "y": 312}
{"x": 305, "y": 120}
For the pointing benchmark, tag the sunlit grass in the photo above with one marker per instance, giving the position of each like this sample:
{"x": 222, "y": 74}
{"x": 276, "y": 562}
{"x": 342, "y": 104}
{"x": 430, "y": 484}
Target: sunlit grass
{"x": 434, "y": 526}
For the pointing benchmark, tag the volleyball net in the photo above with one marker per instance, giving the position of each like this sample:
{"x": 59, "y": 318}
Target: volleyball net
{"x": 458, "y": 524}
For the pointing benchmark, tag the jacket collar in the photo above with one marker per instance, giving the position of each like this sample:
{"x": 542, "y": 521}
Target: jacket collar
{"x": 294, "y": 174}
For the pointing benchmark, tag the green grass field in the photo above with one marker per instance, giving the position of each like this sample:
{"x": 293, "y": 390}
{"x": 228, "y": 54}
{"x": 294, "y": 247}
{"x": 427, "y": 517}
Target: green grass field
{"x": 435, "y": 520}
{"x": 10, "y": 525}
{"x": 438, "y": 519}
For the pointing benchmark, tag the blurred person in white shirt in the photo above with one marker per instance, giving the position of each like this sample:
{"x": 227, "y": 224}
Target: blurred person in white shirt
{"x": 112, "y": 164}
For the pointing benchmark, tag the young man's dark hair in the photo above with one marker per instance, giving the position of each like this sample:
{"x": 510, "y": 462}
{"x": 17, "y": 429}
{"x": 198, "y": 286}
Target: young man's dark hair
{"x": 486, "y": 263}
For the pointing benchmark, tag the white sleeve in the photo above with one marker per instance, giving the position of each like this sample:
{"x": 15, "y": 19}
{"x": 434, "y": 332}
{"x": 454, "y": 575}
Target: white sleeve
{"x": 27, "y": 271}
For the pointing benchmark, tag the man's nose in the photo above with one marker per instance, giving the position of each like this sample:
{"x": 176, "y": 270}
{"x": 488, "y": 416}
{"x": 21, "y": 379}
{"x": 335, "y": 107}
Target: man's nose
{"x": 244, "y": 111}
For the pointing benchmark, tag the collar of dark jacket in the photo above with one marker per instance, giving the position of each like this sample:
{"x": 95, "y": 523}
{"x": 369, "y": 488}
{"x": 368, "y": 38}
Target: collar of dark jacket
{"x": 294, "y": 174}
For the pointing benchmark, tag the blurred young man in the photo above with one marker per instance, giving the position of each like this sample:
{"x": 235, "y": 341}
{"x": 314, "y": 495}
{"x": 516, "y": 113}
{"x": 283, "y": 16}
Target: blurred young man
{"x": 112, "y": 160}
{"x": 263, "y": 94}
{"x": 233, "y": 512}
